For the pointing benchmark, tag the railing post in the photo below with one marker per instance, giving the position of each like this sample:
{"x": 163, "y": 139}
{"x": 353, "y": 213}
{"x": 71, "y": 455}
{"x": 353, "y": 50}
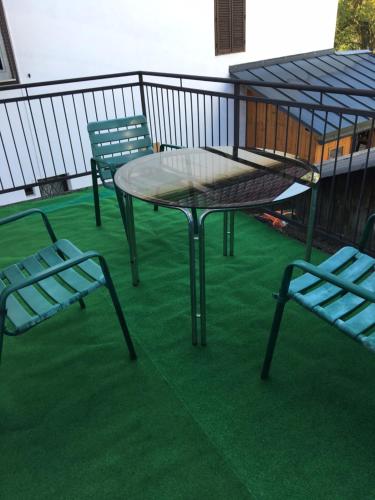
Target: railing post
{"x": 142, "y": 92}
{"x": 236, "y": 116}
{"x": 36, "y": 137}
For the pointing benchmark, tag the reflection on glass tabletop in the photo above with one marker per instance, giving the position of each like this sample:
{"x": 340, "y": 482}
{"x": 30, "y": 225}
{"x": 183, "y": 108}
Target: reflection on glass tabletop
{"x": 217, "y": 177}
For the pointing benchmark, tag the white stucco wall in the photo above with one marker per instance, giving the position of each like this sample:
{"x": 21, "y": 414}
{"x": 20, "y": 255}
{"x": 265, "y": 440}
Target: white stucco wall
{"x": 75, "y": 38}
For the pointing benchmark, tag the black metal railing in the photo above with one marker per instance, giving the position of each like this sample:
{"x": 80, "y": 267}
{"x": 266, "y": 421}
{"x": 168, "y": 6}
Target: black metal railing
{"x": 43, "y": 131}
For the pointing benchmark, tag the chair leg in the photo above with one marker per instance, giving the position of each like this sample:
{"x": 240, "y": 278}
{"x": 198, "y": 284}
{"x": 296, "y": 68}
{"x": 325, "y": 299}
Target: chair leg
{"x": 132, "y": 240}
{"x": 82, "y": 304}
{"x": 273, "y": 337}
{"x": 156, "y": 208}
{"x": 121, "y": 204}
{"x": 95, "y": 189}
{"x": 118, "y": 309}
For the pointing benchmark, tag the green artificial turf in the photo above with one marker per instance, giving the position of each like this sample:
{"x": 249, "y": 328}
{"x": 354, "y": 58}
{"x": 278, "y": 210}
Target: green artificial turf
{"x": 80, "y": 421}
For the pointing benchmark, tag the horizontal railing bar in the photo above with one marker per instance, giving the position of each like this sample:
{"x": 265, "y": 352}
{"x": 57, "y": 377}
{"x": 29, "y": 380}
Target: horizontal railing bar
{"x": 191, "y": 90}
{"x": 255, "y": 83}
{"x": 19, "y": 86}
{"x": 233, "y": 81}
{"x": 68, "y": 92}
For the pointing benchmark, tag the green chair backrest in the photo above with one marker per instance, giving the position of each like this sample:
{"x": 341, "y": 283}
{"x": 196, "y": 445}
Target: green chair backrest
{"x": 118, "y": 141}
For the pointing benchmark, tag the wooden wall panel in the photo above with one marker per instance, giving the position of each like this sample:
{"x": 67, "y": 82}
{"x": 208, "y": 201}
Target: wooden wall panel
{"x": 345, "y": 143}
{"x": 272, "y": 128}
{"x": 290, "y": 135}
{"x": 339, "y": 212}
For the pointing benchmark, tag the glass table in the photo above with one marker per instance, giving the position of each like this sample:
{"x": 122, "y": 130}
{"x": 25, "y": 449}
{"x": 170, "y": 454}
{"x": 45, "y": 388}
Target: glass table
{"x": 217, "y": 179}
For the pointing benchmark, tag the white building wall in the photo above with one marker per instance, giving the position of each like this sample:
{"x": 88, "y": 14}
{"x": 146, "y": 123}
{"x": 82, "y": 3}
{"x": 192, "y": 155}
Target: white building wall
{"x": 73, "y": 38}
{"x": 77, "y": 38}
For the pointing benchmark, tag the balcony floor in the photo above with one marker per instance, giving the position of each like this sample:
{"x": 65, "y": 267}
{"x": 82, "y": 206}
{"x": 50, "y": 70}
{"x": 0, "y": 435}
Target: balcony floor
{"x": 79, "y": 420}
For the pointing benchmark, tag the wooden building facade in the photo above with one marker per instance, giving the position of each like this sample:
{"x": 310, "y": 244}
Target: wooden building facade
{"x": 312, "y": 136}
{"x": 270, "y": 127}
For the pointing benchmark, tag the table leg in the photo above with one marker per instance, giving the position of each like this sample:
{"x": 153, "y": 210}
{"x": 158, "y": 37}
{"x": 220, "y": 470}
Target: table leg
{"x": 225, "y": 234}
{"x": 193, "y": 287}
{"x": 129, "y": 216}
{"x": 195, "y": 220}
{"x": 311, "y": 222}
{"x": 196, "y": 234}
{"x": 228, "y": 230}
{"x": 231, "y": 236}
{"x": 202, "y": 277}
{"x": 192, "y": 237}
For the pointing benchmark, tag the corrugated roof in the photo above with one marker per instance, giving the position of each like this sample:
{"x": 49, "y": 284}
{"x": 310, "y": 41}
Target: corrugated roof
{"x": 352, "y": 69}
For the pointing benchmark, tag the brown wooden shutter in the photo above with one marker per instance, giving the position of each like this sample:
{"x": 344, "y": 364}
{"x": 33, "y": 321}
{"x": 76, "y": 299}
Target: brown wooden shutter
{"x": 223, "y": 22}
{"x": 229, "y": 26}
{"x": 238, "y": 25}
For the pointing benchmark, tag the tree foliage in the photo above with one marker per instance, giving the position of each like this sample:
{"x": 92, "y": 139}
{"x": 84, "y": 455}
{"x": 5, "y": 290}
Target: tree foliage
{"x": 355, "y": 28}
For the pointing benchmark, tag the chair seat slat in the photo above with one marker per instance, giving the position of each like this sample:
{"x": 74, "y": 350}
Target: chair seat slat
{"x": 16, "y": 312}
{"x": 70, "y": 276}
{"x": 89, "y": 266}
{"x": 30, "y": 294}
{"x": 328, "y": 291}
{"x": 345, "y": 304}
{"x": 50, "y": 285}
{"x": 333, "y": 263}
{"x": 358, "y": 323}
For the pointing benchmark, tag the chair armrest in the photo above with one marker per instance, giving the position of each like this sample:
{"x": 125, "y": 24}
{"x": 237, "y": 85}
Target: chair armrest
{"x": 172, "y": 146}
{"x": 367, "y": 231}
{"x": 45, "y": 274}
{"x": 26, "y": 213}
{"x": 323, "y": 275}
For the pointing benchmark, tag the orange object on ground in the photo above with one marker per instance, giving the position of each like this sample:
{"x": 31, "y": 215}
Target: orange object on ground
{"x": 275, "y": 221}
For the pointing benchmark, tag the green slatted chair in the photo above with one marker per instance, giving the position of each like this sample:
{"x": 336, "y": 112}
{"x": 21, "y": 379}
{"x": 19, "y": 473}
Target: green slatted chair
{"x": 341, "y": 290}
{"x": 43, "y": 284}
{"x": 114, "y": 143}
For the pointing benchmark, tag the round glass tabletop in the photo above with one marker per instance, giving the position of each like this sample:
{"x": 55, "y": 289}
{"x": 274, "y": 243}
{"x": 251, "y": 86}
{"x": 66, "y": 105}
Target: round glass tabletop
{"x": 220, "y": 177}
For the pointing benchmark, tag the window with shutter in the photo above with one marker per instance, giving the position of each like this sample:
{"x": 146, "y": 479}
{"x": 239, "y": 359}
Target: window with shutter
{"x": 229, "y": 26}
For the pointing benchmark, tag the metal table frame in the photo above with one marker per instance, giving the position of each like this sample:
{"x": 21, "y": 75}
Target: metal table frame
{"x": 196, "y": 237}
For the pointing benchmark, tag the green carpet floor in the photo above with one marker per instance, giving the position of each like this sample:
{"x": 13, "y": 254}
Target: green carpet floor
{"x": 80, "y": 421}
